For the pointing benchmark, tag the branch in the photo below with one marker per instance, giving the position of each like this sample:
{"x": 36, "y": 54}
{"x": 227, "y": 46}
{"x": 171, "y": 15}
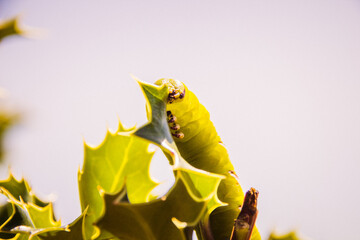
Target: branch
{"x": 245, "y": 222}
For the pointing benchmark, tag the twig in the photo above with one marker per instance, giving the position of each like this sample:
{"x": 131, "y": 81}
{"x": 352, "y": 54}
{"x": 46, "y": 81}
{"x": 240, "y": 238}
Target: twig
{"x": 245, "y": 222}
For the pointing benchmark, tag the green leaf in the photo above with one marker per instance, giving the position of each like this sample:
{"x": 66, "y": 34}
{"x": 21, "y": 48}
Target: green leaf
{"x": 9, "y": 28}
{"x": 7, "y": 120}
{"x": 21, "y": 190}
{"x": 20, "y": 195}
{"x": 34, "y": 219}
{"x": 157, "y": 129}
{"x": 201, "y": 184}
{"x": 289, "y": 236}
{"x": 8, "y": 220}
{"x": 20, "y": 236}
{"x": 73, "y": 231}
{"x": 164, "y": 218}
{"x": 120, "y": 157}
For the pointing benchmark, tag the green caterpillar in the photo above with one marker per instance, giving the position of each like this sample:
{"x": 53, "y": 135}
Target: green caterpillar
{"x": 199, "y": 143}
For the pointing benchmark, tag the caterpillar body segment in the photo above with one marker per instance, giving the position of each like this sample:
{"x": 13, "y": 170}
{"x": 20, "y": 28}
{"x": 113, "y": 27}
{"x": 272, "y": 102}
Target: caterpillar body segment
{"x": 193, "y": 119}
{"x": 199, "y": 144}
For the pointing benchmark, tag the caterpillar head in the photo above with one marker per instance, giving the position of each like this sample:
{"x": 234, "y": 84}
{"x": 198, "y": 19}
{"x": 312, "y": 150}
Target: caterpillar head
{"x": 175, "y": 87}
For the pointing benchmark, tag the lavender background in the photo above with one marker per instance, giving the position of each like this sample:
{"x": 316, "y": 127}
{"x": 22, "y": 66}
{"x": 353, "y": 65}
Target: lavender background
{"x": 280, "y": 78}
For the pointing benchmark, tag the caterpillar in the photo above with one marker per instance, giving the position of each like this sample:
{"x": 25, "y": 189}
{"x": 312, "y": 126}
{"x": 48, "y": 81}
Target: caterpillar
{"x": 199, "y": 144}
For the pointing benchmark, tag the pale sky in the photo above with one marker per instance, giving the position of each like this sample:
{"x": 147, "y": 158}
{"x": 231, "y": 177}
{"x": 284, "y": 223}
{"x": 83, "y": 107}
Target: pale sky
{"x": 280, "y": 78}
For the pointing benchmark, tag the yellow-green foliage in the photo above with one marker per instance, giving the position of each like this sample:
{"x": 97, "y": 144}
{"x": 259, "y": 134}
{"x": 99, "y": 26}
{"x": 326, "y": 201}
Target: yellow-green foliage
{"x": 116, "y": 188}
{"x": 9, "y": 28}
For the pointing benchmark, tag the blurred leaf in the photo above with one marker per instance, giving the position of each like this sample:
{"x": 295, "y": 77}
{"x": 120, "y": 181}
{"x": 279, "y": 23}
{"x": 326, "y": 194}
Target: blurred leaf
{"x": 289, "y": 236}
{"x": 9, "y": 28}
{"x": 7, "y": 120}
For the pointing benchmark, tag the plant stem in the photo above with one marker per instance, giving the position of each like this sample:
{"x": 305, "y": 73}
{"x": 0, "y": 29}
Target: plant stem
{"x": 245, "y": 222}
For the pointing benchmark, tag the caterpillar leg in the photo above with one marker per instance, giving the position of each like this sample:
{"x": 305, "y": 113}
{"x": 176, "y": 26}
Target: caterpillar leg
{"x": 174, "y": 126}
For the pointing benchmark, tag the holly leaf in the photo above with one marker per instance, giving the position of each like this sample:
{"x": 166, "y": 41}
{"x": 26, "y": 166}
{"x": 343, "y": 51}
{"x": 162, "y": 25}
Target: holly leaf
{"x": 73, "y": 231}
{"x": 9, "y": 28}
{"x": 120, "y": 157}
{"x": 8, "y": 220}
{"x": 30, "y": 218}
{"x": 157, "y": 129}
{"x": 163, "y": 218}
{"x": 21, "y": 190}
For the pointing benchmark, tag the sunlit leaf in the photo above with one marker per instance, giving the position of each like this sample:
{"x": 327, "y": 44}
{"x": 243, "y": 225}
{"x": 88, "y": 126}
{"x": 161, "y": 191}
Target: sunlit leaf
{"x": 23, "y": 205}
{"x": 119, "y": 158}
{"x": 32, "y": 219}
{"x": 74, "y": 231}
{"x": 21, "y": 190}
